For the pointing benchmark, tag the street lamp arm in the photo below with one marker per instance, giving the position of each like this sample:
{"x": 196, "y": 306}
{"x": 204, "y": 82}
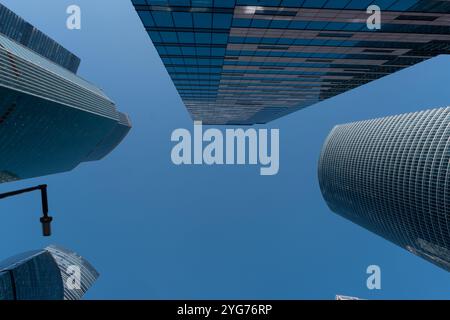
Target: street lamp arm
{"x": 45, "y": 219}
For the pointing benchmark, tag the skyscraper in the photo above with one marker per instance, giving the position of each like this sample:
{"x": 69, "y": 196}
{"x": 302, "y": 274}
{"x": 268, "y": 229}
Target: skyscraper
{"x": 26, "y": 34}
{"x": 32, "y": 275}
{"x": 392, "y": 176}
{"x": 65, "y": 259}
{"x": 44, "y": 275}
{"x": 246, "y": 61}
{"x": 51, "y": 120}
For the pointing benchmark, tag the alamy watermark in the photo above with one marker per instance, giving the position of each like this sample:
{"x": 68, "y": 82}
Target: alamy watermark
{"x": 234, "y": 147}
{"x": 73, "y": 22}
{"x": 73, "y": 281}
{"x": 374, "y": 280}
{"x": 374, "y": 20}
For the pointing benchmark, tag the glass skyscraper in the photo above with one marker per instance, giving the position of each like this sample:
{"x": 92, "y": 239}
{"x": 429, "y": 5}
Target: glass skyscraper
{"x": 247, "y": 61}
{"x": 51, "y": 120}
{"x": 392, "y": 176}
{"x": 44, "y": 275}
{"x": 32, "y": 275}
{"x": 26, "y": 34}
{"x": 65, "y": 259}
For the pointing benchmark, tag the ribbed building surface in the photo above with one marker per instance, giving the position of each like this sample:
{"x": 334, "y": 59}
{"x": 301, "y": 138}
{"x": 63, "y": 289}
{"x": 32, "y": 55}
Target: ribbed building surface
{"x": 246, "y": 61}
{"x": 65, "y": 259}
{"x": 51, "y": 120}
{"x": 391, "y": 176}
{"x": 23, "y": 32}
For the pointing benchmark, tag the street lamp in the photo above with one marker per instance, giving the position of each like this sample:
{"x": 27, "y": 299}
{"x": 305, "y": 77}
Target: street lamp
{"x": 45, "y": 219}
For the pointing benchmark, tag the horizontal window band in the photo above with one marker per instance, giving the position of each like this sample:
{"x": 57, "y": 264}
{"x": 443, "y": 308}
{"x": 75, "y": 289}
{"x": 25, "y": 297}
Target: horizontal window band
{"x": 273, "y": 48}
{"x": 183, "y": 45}
{"x": 184, "y": 9}
{"x": 191, "y": 30}
{"x": 276, "y": 13}
{"x": 417, "y": 18}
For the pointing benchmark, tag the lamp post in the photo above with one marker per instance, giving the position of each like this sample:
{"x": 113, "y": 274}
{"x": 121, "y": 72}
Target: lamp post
{"x": 45, "y": 219}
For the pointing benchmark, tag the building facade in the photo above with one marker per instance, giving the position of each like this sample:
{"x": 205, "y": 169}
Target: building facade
{"x": 32, "y": 275}
{"x": 26, "y": 34}
{"x": 66, "y": 259}
{"x": 247, "y": 62}
{"x": 51, "y": 120}
{"x": 392, "y": 176}
{"x": 44, "y": 275}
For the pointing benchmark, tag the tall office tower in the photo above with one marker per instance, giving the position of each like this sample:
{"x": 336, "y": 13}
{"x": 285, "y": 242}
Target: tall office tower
{"x": 31, "y": 276}
{"x": 23, "y": 32}
{"x": 51, "y": 120}
{"x": 247, "y": 62}
{"x": 66, "y": 260}
{"x": 392, "y": 177}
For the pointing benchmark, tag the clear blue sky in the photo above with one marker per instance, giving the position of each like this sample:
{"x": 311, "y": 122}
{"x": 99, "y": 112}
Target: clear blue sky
{"x": 157, "y": 231}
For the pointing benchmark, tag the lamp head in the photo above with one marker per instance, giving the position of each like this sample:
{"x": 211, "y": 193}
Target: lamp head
{"x": 46, "y": 226}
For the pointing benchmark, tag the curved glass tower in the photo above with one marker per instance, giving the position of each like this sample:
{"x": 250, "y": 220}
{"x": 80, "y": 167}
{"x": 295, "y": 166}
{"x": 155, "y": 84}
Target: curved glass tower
{"x": 44, "y": 275}
{"x": 392, "y": 176}
{"x": 32, "y": 275}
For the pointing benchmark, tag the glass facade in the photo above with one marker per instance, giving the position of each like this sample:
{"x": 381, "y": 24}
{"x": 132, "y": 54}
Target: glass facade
{"x": 51, "y": 120}
{"x": 392, "y": 176}
{"x": 31, "y": 276}
{"x": 66, "y": 258}
{"x": 43, "y": 275}
{"x": 21, "y": 31}
{"x": 248, "y": 61}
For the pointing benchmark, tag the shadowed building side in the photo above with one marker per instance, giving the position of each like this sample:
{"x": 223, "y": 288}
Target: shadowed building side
{"x": 39, "y": 137}
{"x": 50, "y": 119}
{"x": 31, "y": 276}
{"x": 111, "y": 141}
{"x": 6, "y": 291}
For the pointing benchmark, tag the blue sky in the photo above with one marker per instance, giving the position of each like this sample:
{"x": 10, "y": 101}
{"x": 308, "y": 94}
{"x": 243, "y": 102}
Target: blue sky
{"x": 157, "y": 231}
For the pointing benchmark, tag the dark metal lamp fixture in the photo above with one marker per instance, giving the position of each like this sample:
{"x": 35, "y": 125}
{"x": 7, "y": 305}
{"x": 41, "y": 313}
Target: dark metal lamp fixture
{"x": 46, "y": 220}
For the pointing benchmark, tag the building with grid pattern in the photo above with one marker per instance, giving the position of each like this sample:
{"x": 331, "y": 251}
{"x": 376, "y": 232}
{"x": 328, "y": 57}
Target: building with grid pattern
{"x": 392, "y": 176}
{"x": 247, "y": 62}
{"x": 51, "y": 120}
